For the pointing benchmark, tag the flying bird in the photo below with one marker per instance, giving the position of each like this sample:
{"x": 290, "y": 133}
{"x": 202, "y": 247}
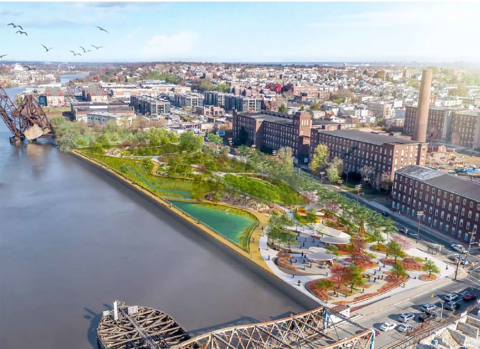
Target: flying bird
{"x": 46, "y": 48}
{"x": 15, "y": 26}
{"x": 1, "y": 56}
{"x": 101, "y": 29}
{"x": 21, "y": 32}
{"x": 82, "y": 49}
{"x": 97, "y": 47}
{"x": 29, "y": 68}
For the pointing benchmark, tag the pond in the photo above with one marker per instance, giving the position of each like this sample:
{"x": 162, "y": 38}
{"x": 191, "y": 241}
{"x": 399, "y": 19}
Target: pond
{"x": 229, "y": 224}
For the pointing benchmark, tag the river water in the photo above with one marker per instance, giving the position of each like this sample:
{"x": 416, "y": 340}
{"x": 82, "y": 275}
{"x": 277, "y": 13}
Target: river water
{"x": 72, "y": 240}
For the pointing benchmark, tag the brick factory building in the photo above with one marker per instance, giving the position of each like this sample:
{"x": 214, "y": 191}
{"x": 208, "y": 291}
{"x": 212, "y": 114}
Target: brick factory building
{"x": 383, "y": 154}
{"x": 439, "y": 122}
{"x": 269, "y": 131}
{"x": 465, "y": 128}
{"x": 450, "y": 205}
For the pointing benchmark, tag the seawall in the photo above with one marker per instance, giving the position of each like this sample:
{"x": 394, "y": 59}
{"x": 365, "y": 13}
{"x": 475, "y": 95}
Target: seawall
{"x": 244, "y": 258}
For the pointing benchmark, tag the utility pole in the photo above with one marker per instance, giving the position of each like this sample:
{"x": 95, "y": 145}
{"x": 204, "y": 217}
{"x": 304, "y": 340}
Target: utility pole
{"x": 458, "y": 265}
{"x": 419, "y": 215}
{"x": 358, "y": 187}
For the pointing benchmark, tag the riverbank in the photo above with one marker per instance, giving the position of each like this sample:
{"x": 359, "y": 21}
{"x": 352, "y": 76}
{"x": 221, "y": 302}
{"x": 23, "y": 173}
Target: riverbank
{"x": 253, "y": 258}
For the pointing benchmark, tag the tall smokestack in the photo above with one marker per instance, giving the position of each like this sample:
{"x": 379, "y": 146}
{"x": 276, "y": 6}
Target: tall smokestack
{"x": 421, "y": 121}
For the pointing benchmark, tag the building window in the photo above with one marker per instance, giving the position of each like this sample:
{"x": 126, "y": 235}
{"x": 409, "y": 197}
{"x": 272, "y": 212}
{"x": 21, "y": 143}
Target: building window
{"x": 468, "y": 225}
{"x": 454, "y": 220}
{"x": 446, "y": 228}
{"x": 461, "y": 223}
{"x": 442, "y": 214}
{"x": 469, "y": 214}
{"x": 456, "y": 208}
{"x": 440, "y": 227}
{"x": 448, "y": 217}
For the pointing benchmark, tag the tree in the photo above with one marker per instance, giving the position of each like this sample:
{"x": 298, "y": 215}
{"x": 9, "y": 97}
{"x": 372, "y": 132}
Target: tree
{"x": 403, "y": 242}
{"x": 398, "y": 270}
{"x": 214, "y": 138}
{"x": 285, "y": 157}
{"x": 378, "y": 236}
{"x": 283, "y": 109}
{"x": 242, "y": 136}
{"x": 103, "y": 140}
{"x": 367, "y": 172}
{"x": 339, "y": 274}
{"x": 354, "y": 276}
{"x": 315, "y": 106}
{"x": 395, "y": 249}
{"x": 334, "y": 170}
{"x": 358, "y": 243}
{"x": 190, "y": 142}
{"x": 332, "y": 249}
{"x": 319, "y": 158}
{"x": 430, "y": 267}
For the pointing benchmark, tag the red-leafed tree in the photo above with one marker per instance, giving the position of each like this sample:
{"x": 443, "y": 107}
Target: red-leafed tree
{"x": 358, "y": 244}
{"x": 339, "y": 275}
{"x": 403, "y": 242}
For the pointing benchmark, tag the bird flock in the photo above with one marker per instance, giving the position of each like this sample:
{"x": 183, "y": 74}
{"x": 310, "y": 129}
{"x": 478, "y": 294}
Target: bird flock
{"x": 21, "y": 31}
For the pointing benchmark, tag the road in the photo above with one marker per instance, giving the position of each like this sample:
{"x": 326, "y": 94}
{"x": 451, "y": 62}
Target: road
{"x": 391, "y": 314}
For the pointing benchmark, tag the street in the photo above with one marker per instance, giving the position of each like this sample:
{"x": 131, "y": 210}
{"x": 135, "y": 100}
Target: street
{"x": 392, "y": 313}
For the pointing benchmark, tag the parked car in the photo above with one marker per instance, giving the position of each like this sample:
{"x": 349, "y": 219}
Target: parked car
{"x": 405, "y": 328}
{"x": 403, "y": 230}
{"x": 450, "y": 297}
{"x": 463, "y": 293}
{"x": 459, "y": 248}
{"x": 452, "y": 305}
{"x": 387, "y": 326}
{"x": 427, "y": 316}
{"x": 427, "y": 307}
{"x": 406, "y": 317}
{"x": 385, "y": 214}
{"x": 469, "y": 297}
{"x": 412, "y": 234}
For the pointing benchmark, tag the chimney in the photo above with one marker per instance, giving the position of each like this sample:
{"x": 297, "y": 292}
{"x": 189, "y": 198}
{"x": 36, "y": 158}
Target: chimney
{"x": 421, "y": 121}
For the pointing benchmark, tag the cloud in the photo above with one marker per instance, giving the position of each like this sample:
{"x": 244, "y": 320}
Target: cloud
{"x": 168, "y": 47}
{"x": 423, "y": 15}
{"x": 9, "y": 13}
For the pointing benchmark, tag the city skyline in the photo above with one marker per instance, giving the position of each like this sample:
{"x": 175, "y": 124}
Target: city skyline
{"x": 241, "y": 32}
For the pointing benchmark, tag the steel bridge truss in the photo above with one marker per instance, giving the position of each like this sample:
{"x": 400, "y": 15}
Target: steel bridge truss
{"x": 319, "y": 328}
{"x": 28, "y": 120}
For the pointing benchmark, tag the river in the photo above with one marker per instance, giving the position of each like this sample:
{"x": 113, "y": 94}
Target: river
{"x": 72, "y": 240}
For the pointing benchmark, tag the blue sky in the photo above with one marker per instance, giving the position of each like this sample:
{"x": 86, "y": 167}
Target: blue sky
{"x": 243, "y": 32}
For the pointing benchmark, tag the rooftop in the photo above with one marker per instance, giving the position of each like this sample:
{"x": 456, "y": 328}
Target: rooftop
{"x": 454, "y": 184}
{"x": 366, "y": 137}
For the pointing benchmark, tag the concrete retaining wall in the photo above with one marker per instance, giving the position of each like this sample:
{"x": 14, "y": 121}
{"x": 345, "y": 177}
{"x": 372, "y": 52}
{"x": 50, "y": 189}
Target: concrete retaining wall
{"x": 302, "y": 299}
{"x": 468, "y": 330}
{"x": 459, "y": 338}
{"x": 471, "y": 320}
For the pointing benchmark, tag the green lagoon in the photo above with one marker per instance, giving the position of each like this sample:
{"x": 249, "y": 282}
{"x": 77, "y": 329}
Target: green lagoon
{"x": 232, "y": 225}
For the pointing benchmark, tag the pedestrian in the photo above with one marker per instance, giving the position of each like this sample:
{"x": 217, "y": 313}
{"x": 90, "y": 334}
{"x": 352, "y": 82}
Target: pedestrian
{"x": 379, "y": 268}
{"x": 374, "y": 279}
{"x": 293, "y": 276}
{"x": 302, "y": 253}
{"x": 268, "y": 257}
{"x": 426, "y": 259}
{"x": 374, "y": 272}
{"x": 446, "y": 267}
{"x": 303, "y": 244}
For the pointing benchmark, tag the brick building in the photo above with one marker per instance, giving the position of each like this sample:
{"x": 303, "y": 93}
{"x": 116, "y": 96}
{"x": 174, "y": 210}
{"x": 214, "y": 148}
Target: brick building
{"x": 380, "y": 109}
{"x": 272, "y": 130}
{"x": 439, "y": 122}
{"x": 210, "y": 110}
{"x": 55, "y": 97}
{"x": 451, "y": 205}
{"x": 465, "y": 128}
{"x": 383, "y": 154}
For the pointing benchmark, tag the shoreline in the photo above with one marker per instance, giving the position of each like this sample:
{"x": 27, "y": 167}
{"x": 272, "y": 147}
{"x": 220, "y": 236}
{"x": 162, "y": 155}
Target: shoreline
{"x": 253, "y": 258}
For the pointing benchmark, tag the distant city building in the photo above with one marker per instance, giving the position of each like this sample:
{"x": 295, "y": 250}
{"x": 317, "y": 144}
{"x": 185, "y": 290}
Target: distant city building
{"x": 380, "y": 109}
{"x": 450, "y": 205}
{"x": 94, "y": 94}
{"x": 102, "y": 118}
{"x": 55, "y": 97}
{"x": 269, "y": 131}
{"x": 81, "y": 109}
{"x": 210, "y": 110}
{"x": 382, "y": 154}
{"x": 150, "y": 106}
{"x": 190, "y": 100}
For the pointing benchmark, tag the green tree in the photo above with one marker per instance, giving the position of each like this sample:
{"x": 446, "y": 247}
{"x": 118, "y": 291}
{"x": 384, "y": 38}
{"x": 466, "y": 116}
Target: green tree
{"x": 103, "y": 140}
{"x": 334, "y": 170}
{"x": 283, "y": 109}
{"x": 354, "y": 276}
{"x": 242, "y": 136}
{"x": 214, "y": 138}
{"x": 190, "y": 142}
{"x": 315, "y": 106}
{"x": 378, "y": 236}
{"x": 430, "y": 267}
{"x": 394, "y": 249}
{"x": 285, "y": 157}
{"x": 319, "y": 158}
{"x": 398, "y": 270}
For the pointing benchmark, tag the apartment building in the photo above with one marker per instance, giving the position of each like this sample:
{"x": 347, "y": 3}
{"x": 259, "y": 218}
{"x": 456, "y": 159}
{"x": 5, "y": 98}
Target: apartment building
{"x": 382, "y": 153}
{"x": 94, "y": 94}
{"x": 55, "y": 97}
{"x": 450, "y": 204}
{"x": 190, "y": 100}
{"x": 81, "y": 109}
{"x": 380, "y": 109}
{"x": 439, "y": 122}
{"x": 150, "y": 106}
{"x": 465, "y": 128}
{"x": 269, "y": 131}
{"x": 210, "y": 110}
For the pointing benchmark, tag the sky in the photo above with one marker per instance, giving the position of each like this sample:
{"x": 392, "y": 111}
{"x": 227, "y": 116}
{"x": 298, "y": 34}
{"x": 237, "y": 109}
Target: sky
{"x": 242, "y": 32}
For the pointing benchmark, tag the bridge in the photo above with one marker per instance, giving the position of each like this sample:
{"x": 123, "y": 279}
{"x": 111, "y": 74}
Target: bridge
{"x": 148, "y": 328}
{"x": 26, "y": 121}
